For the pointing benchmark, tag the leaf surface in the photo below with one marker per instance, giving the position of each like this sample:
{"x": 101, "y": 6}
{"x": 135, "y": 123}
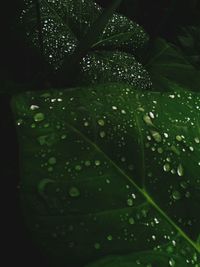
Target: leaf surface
{"x": 108, "y": 170}
{"x": 166, "y": 64}
{"x": 66, "y": 22}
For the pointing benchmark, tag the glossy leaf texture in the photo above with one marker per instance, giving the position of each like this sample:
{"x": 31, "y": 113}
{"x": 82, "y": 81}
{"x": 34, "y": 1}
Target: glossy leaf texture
{"x": 108, "y": 170}
{"x": 106, "y": 66}
{"x": 65, "y": 22}
{"x": 166, "y": 64}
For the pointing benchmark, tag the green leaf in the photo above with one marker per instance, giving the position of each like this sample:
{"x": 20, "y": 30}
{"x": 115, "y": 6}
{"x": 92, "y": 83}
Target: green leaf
{"x": 101, "y": 67}
{"x": 189, "y": 41}
{"x": 107, "y": 170}
{"x": 65, "y": 22}
{"x": 143, "y": 259}
{"x": 166, "y": 63}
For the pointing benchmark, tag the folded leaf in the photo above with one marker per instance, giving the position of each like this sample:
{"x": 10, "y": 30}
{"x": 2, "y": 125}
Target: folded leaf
{"x": 102, "y": 67}
{"x": 67, "y": 21}
{"x": 165, "y": 62}
{"x": 108, "y": 170}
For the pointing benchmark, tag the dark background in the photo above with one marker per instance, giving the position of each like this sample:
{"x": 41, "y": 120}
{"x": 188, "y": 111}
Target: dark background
{"x": 20, "y": 64}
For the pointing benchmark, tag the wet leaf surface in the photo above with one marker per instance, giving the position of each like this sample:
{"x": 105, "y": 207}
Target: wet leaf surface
{"x": 66, "y": 22}
{"x": 108, "y": 170}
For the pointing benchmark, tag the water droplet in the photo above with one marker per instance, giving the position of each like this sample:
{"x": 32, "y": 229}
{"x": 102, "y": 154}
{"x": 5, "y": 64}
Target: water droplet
{"x": 114, "y": 107}
{"x": 196, "y": 139}
{"x": 97, "y": 246}
{"x": 101, "y": 122}
{"x": 33, "y": 107}
{"x": 147, "y": 120}
{"x": 39, "y": 117}
{"x": 130, "y": 202}
{"x": 52, "y": 160}
{"x": 109, "y": 237}
{"x": 97, "y": 162}
{"x": 78, "y": 168}
{"x": 180, "y": 170}
{"x": 172, "y": 262}
{"x": 87, "y": 163}
{"x": 179, "y": 138}
{"x": 166, "y": 167}
{"x": 156, "y": 136}
{"x": 131, "y": 220}
{"x": 176, "y": 195}
{"x": 74, "y": 192}
{"x": 86, "y": 123}
{"x": 102, "y": 134}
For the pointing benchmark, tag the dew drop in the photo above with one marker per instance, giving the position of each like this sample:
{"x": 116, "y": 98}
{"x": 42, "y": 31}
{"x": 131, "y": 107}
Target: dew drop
{"x": 180, "y": 170}
{"x": 109, "y": 237}
{"x": 74, "y": 191}
{"x": 130, "y": 202}
{"x": 176, "y": 195}
{"x": 172, "y": 262}
{"x": 101, "y": 122}
{"x": 52, "y": 161}
{"x": 97, "y": 246}
{"x": 156, "y": 136}
{"x": 97, "y": 162}
{"x": 166, "y": 167}
{"x": 102, "y": 134}
{"x": 147, "y": 120}
{"x": 131, "y": 220}
{"x": 39, "y": 117}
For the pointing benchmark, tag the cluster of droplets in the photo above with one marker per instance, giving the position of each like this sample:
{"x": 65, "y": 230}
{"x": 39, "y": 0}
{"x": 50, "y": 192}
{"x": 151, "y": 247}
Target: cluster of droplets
{"x": 114, "y": 67}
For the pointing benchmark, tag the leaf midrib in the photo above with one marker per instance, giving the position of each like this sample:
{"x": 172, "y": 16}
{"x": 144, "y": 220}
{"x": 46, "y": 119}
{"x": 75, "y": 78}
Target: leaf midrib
{"x": 143, "y": 192}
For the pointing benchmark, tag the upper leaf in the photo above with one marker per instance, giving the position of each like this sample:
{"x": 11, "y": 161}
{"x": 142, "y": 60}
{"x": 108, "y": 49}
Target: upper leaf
{"x": 109, "y": 170}
{"x": 166, "y": 64}
{"x": 67, "y": 21}
{"x": 101, "y": 67}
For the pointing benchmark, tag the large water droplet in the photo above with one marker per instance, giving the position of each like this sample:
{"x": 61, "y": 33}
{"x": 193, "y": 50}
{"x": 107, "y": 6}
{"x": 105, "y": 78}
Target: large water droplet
{"x": 180, "y": 170}
{"x": 52, "y": 160}
{"x": 156, "y": 136}
{"x": 166, "y": 167}
{"x": 39, "y": 117}
{"x": 74, "y": 191}
{"x": 176, "y": 195}
{"x": 101, "y": 122}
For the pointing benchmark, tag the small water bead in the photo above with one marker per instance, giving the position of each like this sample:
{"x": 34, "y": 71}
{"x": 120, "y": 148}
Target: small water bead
{"x": 19, "y": 122}
{"x": 123, "y": 111}
{"x": 176, "y": 195}
{"x": 97, "y": 162}
{"x": 97, "y": 246}
{"x": 39, "y": 117}
{"x": 191, "y": 148}
{"x": 101, "y": 122}
{"x": 151, "y": 115}
{"x": 166, "y": 135}
{"x": 130, "y": 202}
{"x": 166, "y": 167}
{"x": 196, "y": 139}
{"x": 114, "y": 107}
{"x": 87, "y": 163}
{"x": 179, "y": 138}
{"x": 86, "y": 123}
{"x": 109, "y": 237}
{"x": 78, "y": 168}
{"x": 180, "y": 170}
{"x": 131, "y": 220}
{"x": 34, "y": 107}
{"x": 102, "y": 134}
{"x": 147, "y": 120}
{"x": 160, "y": 150}
{"x": 156, "y": 136}
{"x": 52, "y": 161}
{"x": 74, "y": 191}
{"x": 172, "y": 262}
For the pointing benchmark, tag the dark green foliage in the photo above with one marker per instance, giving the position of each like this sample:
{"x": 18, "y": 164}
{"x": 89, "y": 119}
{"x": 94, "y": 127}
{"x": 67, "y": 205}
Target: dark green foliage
{"x": 110, "y": 169}
{"x": 112, "y": 164}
